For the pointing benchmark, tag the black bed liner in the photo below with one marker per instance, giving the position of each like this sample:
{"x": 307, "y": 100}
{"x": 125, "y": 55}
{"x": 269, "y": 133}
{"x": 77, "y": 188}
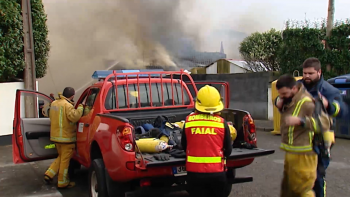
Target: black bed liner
{"x": 236, "y": 154}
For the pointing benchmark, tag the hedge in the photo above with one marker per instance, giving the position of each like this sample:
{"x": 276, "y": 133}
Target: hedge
{"x": 11, "y": 39}
{"x": 302, "y": 39}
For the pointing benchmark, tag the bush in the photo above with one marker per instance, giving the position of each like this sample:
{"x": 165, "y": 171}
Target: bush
{"x": 40, "y": 33}
{"x": 11, "y": 39}
{"x": 301, "y": 40}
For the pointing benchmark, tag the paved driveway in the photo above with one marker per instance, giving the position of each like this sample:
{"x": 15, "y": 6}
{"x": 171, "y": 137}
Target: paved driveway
{"x": 26, "y": 179}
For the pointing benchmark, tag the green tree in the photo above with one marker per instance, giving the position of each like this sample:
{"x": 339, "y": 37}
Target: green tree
{"x": 262, "y": 48}
{"x": 11, "y": 39}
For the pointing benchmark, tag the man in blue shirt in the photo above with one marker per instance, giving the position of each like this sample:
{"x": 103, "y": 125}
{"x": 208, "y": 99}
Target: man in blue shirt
{"x": 333, "y": 102}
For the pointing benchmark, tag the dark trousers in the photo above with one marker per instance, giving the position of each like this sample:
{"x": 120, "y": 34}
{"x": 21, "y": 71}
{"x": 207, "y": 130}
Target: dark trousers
{"x": 320, "y": 183}
{"x": 206, "y": 184}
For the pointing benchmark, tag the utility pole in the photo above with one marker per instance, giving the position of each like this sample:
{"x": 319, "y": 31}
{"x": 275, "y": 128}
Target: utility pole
{"x": 29, "y": 59}
{"x": 330, "y": 24}
{"x": 330, "y": 19}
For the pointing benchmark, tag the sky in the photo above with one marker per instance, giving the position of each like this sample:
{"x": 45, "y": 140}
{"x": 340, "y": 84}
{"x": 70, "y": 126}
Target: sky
{"x": 249, "y": 16}
{"x": 84, "y": 34}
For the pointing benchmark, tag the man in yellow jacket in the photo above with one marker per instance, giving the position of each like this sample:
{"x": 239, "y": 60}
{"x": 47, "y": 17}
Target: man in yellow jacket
{"x": 63, "y": 118}
{"x": 298, "y": 126}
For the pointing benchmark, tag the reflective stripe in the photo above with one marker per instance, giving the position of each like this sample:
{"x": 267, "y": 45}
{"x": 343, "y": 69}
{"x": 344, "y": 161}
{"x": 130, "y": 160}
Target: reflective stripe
{"x": 60, "y": 120}
{"x": 53, "y": 173}
{"x": 296, "y": 148}
{"x": 65, "y": 179}
{"x": 337, "y": 108}
{"x": 313, "y": 124}
{"x": 311, "y": 136}
{"x": 204, "y": 159}
{"x": 296, "y": 113}
{"x": 204, "y": 124}
{"x": 63, "y": 139}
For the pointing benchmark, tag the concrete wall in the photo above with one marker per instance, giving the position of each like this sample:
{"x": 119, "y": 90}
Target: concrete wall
{"x": 7, "y": 105}
{"x": 248, "y": 91}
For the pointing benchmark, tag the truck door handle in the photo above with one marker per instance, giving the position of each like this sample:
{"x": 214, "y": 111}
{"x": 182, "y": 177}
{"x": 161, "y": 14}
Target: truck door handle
{"x": 86, "y": 124}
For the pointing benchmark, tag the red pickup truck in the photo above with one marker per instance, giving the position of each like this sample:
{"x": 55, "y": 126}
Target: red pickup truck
{"x": 113, "y": 107}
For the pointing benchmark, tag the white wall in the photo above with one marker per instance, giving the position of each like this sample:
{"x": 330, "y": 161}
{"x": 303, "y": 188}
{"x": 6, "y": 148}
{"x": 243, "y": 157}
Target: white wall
{"x": 236, "y": 69}
{"x": 213, "y": 69}
{"x": 7, "y": 105}
{"x": 269, "y": 105}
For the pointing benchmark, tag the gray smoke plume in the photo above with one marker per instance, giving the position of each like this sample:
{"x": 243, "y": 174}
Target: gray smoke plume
{"x": 89, "y": 35}
{"x": 85, "y": 34}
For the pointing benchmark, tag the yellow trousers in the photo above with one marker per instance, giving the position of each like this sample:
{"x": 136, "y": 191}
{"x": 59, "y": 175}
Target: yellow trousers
{"x": 299, "y": 175}
{"x": 61, "y": 164}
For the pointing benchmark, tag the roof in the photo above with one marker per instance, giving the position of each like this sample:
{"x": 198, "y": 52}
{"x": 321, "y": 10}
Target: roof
{"x": 242, "y": 64}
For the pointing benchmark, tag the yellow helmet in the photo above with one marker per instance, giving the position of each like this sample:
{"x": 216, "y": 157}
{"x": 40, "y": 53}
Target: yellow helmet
{"x": 208, "y": 100}
{"x": 233, "y": 132}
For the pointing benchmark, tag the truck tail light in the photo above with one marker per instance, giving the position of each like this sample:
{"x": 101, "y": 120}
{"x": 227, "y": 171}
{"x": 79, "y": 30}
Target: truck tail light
{"x": 125, "y": 138}
{"x": 249, "y": 130}
{"x": 145, "y": 182}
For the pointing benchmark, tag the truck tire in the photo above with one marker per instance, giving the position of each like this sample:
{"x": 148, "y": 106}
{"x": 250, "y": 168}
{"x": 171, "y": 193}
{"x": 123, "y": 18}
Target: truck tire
{"x": 228, "y": 189}
{"x": 101, "y": 185}
{"x": 97, "y": 179}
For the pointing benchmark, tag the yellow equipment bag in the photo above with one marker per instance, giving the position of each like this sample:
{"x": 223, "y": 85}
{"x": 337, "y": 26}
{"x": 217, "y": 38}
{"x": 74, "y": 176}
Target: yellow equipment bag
{"x": 180, "y": 124}
{"x": 164, "y": 138}
{"x": 151, "y": 145}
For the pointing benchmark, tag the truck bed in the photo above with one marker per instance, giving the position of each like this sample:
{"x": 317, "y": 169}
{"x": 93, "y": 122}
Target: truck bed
{"x": 174, "y": 115}
{"x": 140, "y": 118}
{"x": 237, "y": 153}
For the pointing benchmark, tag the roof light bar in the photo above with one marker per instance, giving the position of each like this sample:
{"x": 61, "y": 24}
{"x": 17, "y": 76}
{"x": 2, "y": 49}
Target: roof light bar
{"x": 101, "y": 74}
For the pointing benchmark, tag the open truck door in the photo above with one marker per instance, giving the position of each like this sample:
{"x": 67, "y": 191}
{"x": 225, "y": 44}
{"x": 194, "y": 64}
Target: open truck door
{"x": 31, "y": 129}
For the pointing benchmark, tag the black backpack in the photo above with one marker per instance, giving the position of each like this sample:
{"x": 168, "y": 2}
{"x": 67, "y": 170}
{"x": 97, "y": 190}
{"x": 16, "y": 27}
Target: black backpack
{"x": 318, "y": 137}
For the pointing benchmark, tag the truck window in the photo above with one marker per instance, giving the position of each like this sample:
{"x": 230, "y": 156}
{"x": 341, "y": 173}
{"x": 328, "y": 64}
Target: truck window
{"x": 90, "y": 100}
{"x": 146, "y": 94}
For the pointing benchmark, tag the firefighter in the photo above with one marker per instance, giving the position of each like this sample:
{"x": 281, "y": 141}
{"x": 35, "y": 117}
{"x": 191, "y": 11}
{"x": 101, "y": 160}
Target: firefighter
{"x": 298, "y": 127}
{"x": 207, "y": 142}
{"x": 332, "y": 100}
{"x": 63, "y": 117}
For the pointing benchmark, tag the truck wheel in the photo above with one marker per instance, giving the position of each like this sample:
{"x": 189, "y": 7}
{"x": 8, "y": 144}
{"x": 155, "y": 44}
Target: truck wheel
{"x": 97, "y": 179}
{"x": 228, "y": 189}
{"x": 73, "y": 165}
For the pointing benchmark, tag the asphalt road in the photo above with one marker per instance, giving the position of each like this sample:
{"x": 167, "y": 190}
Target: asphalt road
{"x": 26, "y": 179}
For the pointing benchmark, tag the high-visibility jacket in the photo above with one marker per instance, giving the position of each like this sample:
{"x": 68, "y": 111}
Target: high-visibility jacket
{"x": 205, "y": 138}
{"x": 63, "y": 118}
{"x": 299, "y": 139}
